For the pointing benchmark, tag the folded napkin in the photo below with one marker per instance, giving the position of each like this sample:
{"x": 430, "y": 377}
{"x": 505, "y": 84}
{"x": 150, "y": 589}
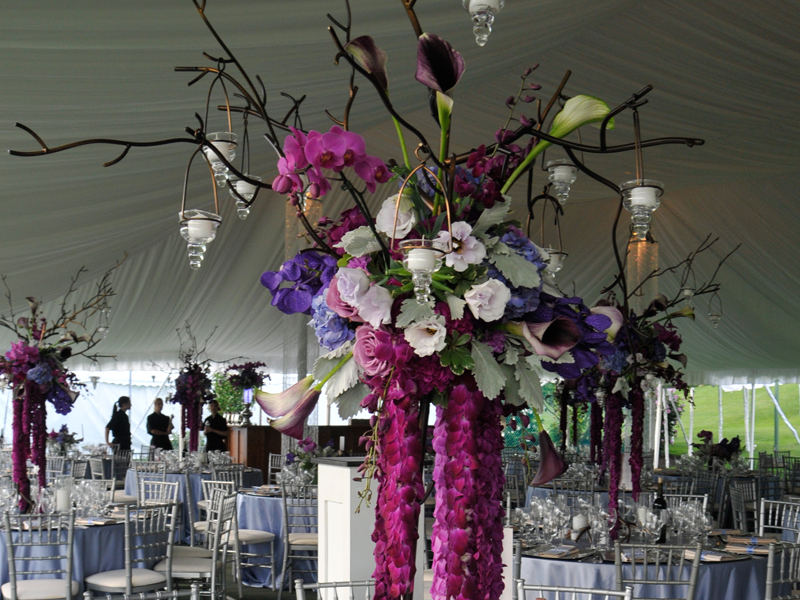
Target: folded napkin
{"x": 560, "y": 552}
{"x": 749, "y": 540}
{"x": 638, "y": 555}
{"x": 747, "y": 549}
{"x": 709, "y": 556}
{"x": 94, "y": 521}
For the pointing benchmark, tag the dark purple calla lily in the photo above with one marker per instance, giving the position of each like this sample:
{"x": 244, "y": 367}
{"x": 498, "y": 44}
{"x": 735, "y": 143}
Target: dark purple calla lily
{"x": 551, "y": 465}
{"x": 552, "y": 338}
{"x": 372, "y": 58}
{"x": 292, "y": 405}
{"x": 439, "y": 66}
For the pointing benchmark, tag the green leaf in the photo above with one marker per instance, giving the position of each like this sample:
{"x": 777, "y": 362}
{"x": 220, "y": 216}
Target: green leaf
{"x": 412, "y": 311}
{"x": 359, "y": 242}
{"x": 511, "y": 356}
{"x": 325, "y": 363}
{"x": 577, "y": 112}
{"x": 488, "y": 374}
{"x": 349, "y": 401}
{"x": 491, "y": 217}
{"x": 511, "y": 390}
{"x": 518, "y": 271}
{"x": 530, "y": 386}
{"x": 344, "y": 379}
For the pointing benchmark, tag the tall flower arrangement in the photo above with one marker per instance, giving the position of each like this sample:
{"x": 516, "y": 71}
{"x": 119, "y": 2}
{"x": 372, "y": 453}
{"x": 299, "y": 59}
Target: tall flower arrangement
{"x": 34, "y": 368}
{"x": 192, "y": 391}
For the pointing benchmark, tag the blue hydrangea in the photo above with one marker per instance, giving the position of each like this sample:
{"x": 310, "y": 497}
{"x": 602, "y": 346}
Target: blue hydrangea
{"x": 523, "y": 300}
{"x": 659, "y": 352}
{"x": 331, "y": 329}
{"x": 618, "y": 362}
{"x": 41, "y": 374}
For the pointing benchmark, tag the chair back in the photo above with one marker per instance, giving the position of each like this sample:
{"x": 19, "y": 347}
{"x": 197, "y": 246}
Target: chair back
{"x": 674, "y": 501}
{"x": 121, "y": 464}
{"x": 778, "y": 516}
{"x": 78, "y": 468}
{"x": 221, "y": 519}
{"x": 27, "y": 540}
{"x": 515, "y": 481}
{"x": 105, "y": 488}
{"x": 300, "y": 509}
{"x": 744, "y": 496}
{"x": 276, "y": 462}
{"x": 233, "y": 473}
{"x": 149, "y": 537}
{"x": 334, "y": 587}
{"x": 54, "y": 468}
{"x": 157, "y": 492}
{"x": 193, "y": 594}
{"x": 96, "y": 468}
{"x": 780, "y": 458}
{"x": 657, "y": 565}
{"x": 146, "y": 452}
{"x": 209, "y": 485}
{"x": 783, "y": 571}
{"x": 682, "y": 486}
{"x": 568, "y": 593}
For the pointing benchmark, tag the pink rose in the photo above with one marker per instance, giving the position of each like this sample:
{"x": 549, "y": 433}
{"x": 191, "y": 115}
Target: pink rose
{"x": 334, "y": 301}
{"x": 373, "y": 351}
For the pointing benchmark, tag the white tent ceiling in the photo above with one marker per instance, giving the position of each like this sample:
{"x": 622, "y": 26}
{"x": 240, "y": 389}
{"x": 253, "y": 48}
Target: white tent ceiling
{"x": 725, "y": 71}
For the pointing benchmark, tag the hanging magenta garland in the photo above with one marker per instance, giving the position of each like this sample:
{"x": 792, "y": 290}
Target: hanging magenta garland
{"x": 613, "y": 452}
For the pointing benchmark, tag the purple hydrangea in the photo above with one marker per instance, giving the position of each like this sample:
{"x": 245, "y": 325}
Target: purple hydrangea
{"x": 523, "y": 300}
{"x": 308, "y": 272}
{"x": 41, "y": 374}
{"x": 331, "y": 329}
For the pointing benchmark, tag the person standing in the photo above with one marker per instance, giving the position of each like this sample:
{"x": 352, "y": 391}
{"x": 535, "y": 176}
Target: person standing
{"x": 215, "y": 428}
{"x": 159, "y": 426}
{"x": 120, "y": 425}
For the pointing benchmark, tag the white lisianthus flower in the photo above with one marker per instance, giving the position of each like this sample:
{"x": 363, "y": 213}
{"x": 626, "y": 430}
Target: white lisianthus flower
{"x": 487, "y": 301}
{"x": 375, "y": 307}
{"x": 427, "y": 337}
{"x": 353, "y": 284}
{"x": 406, "y": 217}
{"x": 467, "y": 249}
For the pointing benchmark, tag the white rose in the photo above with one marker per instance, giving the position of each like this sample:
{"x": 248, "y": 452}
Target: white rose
{"x": 427, "y": 337}
{"x": 487, "y": 301}
{"x": 406, "y": 217}
{"x": 353, "y": 284}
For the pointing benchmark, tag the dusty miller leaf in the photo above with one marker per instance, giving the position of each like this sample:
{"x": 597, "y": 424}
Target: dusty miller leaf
{"x": 359, "y": 242}
{"x": 349, "y": 401}
{"x": 456, "y": 305}
{"x": 518, "y": 271}
{"x": 511, "y": 356}
{"x": 344, "y": 379}
{"x": 491, "y": 217}
{"x": 325, "y": 363}
{"x": 412, "y": 311}
{"x": 511, "y": 390}
{"x": 530, "y": 386}
{"x": 488, "y": 374}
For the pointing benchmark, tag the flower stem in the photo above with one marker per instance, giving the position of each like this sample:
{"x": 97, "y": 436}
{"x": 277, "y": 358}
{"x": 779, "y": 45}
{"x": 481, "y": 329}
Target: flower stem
{"x": 535, "y": 151}
{"x": 402, "y": 143}
{"x": 338, "y": 366}
{"x": 538, "y": 420}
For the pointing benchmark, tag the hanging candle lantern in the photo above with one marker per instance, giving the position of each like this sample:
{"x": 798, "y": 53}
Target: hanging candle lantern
{"x": 483, "y": 12}
{"x": 562, "y": 175}
{"x": 641, "y": 197}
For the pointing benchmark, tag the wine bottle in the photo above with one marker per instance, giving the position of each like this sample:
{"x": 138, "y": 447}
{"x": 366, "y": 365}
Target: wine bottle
{"x": 660, "y": 507}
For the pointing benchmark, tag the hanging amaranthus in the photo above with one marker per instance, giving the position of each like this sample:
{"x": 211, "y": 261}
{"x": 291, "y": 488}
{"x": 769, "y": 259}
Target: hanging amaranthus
{"x": 613, "y": 453}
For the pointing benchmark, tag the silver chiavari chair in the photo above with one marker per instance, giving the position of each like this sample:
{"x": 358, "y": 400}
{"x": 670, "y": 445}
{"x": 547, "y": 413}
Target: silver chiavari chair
{"x": 569, "y": 593}
{"x": 776, "y": 517}
{"x": 29, "y": 559}
{"x": 783, "y": 572}
{"x": 300, "y": 528}
{"x": 657, "y": 565}
{"x": 193, "y": 594}
{"x": 334, "y": 587}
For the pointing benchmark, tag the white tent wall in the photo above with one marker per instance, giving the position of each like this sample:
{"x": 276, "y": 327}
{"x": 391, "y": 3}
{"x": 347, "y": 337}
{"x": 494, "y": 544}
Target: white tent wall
{"x": 723, "y": 70}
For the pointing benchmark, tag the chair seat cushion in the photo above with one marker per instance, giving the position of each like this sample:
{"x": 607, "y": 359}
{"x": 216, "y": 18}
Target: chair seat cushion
{"x": 115, "y": 580}
{"x": 304, "y": 539}
{"x": 201, "y": 525}
{"x": 202, "y": 504}
{"x": 187, "y": 565}
{"x": 254, "y": 536}
{"x": 121, "y": 496}
{"x": 39, "y": 589}
{"x": 195, "y": 551}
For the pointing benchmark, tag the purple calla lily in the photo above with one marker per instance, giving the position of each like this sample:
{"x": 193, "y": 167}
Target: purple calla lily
{"x": 372, "y": 58}
{"x": 439, "y": 66}
{"x": 612, "y": 313}
{"x": 292, "y": 406}
{"x": 551, "y": 465}
{"x": 552, "y": 338}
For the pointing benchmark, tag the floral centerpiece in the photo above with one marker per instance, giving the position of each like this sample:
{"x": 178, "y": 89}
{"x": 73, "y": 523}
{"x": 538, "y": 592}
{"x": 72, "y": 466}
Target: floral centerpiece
{"x": 34, "y": 368}
{"x": 192, "y": 391}
{"x": 725, "y": 451}
{"x": 63, "y": 440}
{"x": 245, "y": 378}
{"x": 302, "y": 458}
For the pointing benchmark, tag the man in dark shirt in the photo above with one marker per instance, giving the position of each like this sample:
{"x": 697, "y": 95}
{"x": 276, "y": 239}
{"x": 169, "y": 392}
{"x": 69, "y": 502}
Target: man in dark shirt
{"x": 216, "y": 429}
{"x": 159, "y": 427}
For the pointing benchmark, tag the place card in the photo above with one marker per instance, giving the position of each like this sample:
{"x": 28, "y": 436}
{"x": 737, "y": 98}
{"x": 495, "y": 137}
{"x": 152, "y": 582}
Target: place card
{"x": 560, "y": 552}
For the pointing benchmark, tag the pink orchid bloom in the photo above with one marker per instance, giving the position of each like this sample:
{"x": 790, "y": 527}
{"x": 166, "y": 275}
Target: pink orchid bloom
{"x": 372, "y": 170}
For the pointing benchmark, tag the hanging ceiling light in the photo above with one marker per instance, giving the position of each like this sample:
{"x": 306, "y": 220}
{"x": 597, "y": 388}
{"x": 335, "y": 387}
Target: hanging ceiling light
{"x": 483, "y": 12}
{"x": 562, "y": 175}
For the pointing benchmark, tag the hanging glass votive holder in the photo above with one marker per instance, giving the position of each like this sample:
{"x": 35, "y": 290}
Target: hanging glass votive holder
{"x": 555, "y": 260}
{"x": 483, "y": 13}
{"x": 715, "y": 309}
{"x": 641, "y": 197}
{"x": 243, "y": 193}
{"x": 225, "y": 143}
{"x": 562, "y": 175}
{"x": 198, "y": 228}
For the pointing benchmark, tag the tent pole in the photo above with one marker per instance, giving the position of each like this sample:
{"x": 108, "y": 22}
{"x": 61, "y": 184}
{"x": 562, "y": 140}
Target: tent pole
{"x": 752, "y": 424}
{"x": 777, "y": 446}
{"x": 656, "y": 429}
{"x": 719, "y": 393}
{"x": 746, "y": 400}
{"x": 666, "y": 430}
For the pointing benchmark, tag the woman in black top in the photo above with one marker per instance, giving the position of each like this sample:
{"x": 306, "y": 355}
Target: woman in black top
{"x": 159, "y": 427}
{"x": 216, "y": 429}
{"x": 119, "y": 425}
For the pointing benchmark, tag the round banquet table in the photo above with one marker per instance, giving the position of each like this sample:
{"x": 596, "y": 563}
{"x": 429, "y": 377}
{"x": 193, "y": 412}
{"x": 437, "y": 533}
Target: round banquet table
{"x": 250, "y": 478}
{"x": 265, "y": 513}
{"x": 95, "y": 549}
{"x": 715, "y": 581}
